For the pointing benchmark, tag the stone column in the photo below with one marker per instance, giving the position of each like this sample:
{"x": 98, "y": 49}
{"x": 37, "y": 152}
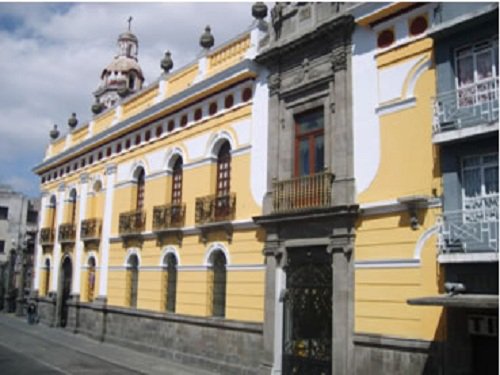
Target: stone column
{"x": 75, "y": 288}
{"x": 39, "y": 250}
{"x": 270, "y": 297}
{"x": 342, "y": 304}
{"x": 57, "y": 246}
{"x": 106, "y": 232}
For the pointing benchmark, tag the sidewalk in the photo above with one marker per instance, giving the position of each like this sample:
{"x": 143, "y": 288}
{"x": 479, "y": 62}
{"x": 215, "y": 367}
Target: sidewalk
{"x": 60, "y": 349}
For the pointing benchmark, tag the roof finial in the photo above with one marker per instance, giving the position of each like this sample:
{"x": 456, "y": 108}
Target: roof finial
{"x": 129, "y": 22}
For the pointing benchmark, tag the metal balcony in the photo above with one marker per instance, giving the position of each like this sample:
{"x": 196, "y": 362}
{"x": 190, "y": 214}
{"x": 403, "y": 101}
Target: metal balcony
{"x": 168, "y": 216}
{"x": 67, "y": 233}
{"x": 303, "y": 193}
{"x": 132, "y": 222}
{"x": 470, "y": 231}
{"x": 213, "y": 208}
{"x": 47, "y": 236}
{"x": 91, "y": 229}
{"x": 466, "y": 107}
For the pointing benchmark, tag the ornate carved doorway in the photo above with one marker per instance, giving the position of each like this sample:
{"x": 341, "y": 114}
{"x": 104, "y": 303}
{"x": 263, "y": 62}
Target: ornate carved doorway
{"x": 307, "y": 322}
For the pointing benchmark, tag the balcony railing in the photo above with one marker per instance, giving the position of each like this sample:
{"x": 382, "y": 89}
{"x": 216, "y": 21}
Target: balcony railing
{"x": 468, "y": 106}
{"x": 302, "y": 193}
{"x": 47, "y": 236}
{"x": 132, "y": 222}
{"x": 91, "y": 229}
{"x": 168, "y": 216}
{"x": 471, "y": 230}
{"x": 67, "y": 232}
{"x": 213, "y": 208}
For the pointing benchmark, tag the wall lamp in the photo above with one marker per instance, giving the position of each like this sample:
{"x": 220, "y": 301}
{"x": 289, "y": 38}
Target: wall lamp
{"x": 413, "y": 203}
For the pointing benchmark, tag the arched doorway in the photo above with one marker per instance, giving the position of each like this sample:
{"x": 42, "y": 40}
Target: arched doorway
{"x": 66, "y": 274}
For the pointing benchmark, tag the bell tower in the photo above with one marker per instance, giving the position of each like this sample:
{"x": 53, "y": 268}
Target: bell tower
{"x": 123, "y": 76}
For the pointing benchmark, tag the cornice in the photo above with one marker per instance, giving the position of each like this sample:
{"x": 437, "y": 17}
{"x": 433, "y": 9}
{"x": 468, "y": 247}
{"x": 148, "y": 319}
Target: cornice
{"x": 337, "y": 29}
{"x": 152, "y": 113}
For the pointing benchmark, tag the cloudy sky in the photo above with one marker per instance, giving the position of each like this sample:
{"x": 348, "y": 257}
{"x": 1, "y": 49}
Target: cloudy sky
{"x": 51, "y": 56}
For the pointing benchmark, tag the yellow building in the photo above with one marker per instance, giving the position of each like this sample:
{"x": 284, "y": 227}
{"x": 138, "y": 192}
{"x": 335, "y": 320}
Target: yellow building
{"x": 400, "y": 234}
{"x": 146, "y": 224}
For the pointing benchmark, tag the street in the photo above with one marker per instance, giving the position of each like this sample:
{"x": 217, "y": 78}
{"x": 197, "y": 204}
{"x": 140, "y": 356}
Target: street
{"x": 41, "y": 350}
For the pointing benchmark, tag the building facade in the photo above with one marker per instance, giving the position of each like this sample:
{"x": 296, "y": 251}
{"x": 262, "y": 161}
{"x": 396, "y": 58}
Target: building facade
{"x": 318, "y": 195}
{"x": 309, "y": 213}
{"x": 424, "y": 105}
{"x": 465, "y": 130}
{"x": 147, "y": 236}
{"x": 18, "y": 229}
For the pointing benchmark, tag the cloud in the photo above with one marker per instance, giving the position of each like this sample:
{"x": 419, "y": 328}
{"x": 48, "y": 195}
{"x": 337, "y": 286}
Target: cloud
{"x": 53, "y": 54}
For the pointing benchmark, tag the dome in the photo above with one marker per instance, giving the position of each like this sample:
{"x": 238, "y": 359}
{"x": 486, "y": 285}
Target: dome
{"x": 123, "y": 64}
{"x": 127, "y": 35}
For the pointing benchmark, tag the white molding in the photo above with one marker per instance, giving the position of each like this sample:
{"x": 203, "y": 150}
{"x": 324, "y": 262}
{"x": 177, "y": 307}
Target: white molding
{"x": 246, "y": 267}
{"x": 216, "y": 139}
{"x": 192, "y": 268}
{"x": 136, "y": 164}
{"x": 426, "y": 64}
{"x": 391, "y": 206}
{"x": 133, "y": 251}
{"x": 399, "y": 105}
{"x": 388, "y": 263}
{"x": 280, "y": 284}
{"x": 172, "y": 153}
{"x": 211, "y": 249}
{"x": 469, "y": 131}
{"x": 241, "y": 151}
{"x": 381, "y": 207}
{"x": 417, "y": 254}
{"x": 486, "y": 257}
{"x": 169, "y": 250}
{"x": 92, "y": 254}
{"x": 124, "y": 184}
{"x": 106, "y": 231}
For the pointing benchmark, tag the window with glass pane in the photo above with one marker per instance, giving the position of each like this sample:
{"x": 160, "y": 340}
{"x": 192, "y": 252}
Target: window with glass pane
{"x": 91, "y": 280}
{"x": 140, "y": 190}
{"x": 223, "y": 181}
{"x": 480, "y": 186}
{"x": 219, "y": 284}
{"x": 171, "y": 283}
{"x": 477, "y": 69}
{"x": 133, "y": 280}
{"x": 47, "y": 277}
{"x": 177, "y": 182}
{"x": 309, "y": 143}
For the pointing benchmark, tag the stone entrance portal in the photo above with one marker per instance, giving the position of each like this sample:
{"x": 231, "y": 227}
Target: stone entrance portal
{"x": 307, "y": 322}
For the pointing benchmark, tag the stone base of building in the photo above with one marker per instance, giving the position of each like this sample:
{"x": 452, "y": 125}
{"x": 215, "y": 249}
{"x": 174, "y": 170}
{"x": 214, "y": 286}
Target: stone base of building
{"x": 222, "y": 346}
{"x": 46, "y": 307}
{"x": 375, "y": 354}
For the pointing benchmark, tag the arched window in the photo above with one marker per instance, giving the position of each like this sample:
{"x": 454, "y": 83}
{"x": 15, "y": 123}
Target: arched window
{"x": 91, "y": 279}
{"x": 140, "y": 189}
{"x": 223, "y": 188}
{"x": 170, "y": 264}
{"x": 177, "y": 182}
{"x": 72, "y": 207}
{"x": 218, "y": 273}
{"x": 52, "y": 217}
{"x": 132, "y": 280}
{"x": 47, "y": 277}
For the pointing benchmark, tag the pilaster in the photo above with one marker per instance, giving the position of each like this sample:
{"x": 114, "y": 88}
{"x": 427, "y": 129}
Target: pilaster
{"x": 75, "y": 288}
{"x": 44, "y": 201}
{"x": 56, "y": 262}
{"x": 106, "y": 231}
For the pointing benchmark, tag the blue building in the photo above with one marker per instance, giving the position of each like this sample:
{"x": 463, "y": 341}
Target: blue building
{"x": 466, "y": 130}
